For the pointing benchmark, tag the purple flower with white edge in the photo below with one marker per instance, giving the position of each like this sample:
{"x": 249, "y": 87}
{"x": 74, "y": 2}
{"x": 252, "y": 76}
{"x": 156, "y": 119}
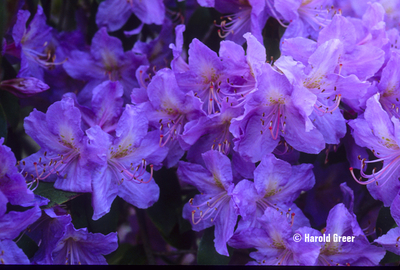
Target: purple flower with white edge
{"x": 274, "y": 241}
{"x": 121, "y": 163}
{"x": 78, "y": 246}
{"x": 215, "y": 205}
{"x": 380, "y": 134}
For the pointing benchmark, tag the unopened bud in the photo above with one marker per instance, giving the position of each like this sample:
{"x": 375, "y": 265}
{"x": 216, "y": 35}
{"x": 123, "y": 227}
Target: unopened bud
{"x": 24, "y": 87}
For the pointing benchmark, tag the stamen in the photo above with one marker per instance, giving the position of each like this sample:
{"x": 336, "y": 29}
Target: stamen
{"x": 233, "y": 23}
{"x": 293, "y": 214}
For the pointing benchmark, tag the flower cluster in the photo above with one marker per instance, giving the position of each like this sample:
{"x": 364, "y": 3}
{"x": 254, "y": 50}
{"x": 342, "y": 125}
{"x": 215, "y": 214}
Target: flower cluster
{"x": 234, "y": 124}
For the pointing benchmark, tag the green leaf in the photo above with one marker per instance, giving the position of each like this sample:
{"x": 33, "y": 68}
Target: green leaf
{"x": 3, "y": 123}
{"x": 384, "y": 221}
{"x": 207, "y": 254}
{"x": 55, "y": 196}
{"x": 127, "y": 254}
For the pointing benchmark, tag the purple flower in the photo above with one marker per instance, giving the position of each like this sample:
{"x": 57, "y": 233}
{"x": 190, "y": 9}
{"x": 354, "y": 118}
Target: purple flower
{"x": 241, "y": 70}
{"x": 211, "y": 132}
{"x": 157, "y": 50}
{"x": 106, "y": 61}
{"x": 380, "y": 134}
{"x": 204, "y": 76}
{"x": 274, "y": 241}
{"x": 244, "y": 16}
{"x": 59, "y": 134}
{"x": 114, "y": 13}
{"x": 13, "y": 188}
{"x": 306, "y": 17}
{"x": 272, "y": 111}
{"x": 47, "y": 232}
{"x": 362, "y": 55}
{"x": 323, "y": 87}
{"x": 33, "y": 42}
{"x": 82, "y": 247}
{"x": 276, "y": 185}
{"x": 358, "y": 251}
{"x": 120, "y": 163}
{"x": 106, "y": 106}
{"x": 169, "y": 109}
{"x": 178, "y": 64}
{"x": 215, "y": 205}
{"x": 389, "y": 86}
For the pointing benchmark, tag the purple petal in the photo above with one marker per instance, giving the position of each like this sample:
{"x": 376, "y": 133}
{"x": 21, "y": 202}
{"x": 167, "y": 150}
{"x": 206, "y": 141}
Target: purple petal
{"x": 299, "y": 48}
{"x": 220, "y": 167}
{"x": 199, "y": 177}
{"x": 113, "y": 14}
{"x": 224, "y": 226}
{"x": 11, "y": 253}
{"x": 140, "y": 195}
{"x": 13, "y": 223}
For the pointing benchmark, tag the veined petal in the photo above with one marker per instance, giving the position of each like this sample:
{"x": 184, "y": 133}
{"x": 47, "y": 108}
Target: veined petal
{"x": 220, "y": 167}
{"x": 131, "y": 129}
{"x": 199, "y": 177}
{"x": 105, "y": 190}
{"x": 224, "y": 226}
{"x": 140, "y": 195}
